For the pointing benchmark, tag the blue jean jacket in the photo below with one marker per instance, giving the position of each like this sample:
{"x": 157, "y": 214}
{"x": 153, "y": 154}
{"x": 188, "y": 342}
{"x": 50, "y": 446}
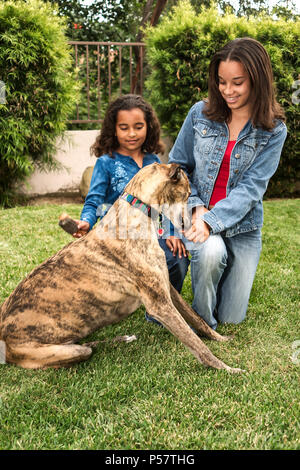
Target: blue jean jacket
{"x": 199, "y": 149}
{"x": 110, "y": 176}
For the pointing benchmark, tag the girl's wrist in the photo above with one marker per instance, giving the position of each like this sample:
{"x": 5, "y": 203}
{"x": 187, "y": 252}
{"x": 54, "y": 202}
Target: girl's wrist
{"x": 198, "y": 212}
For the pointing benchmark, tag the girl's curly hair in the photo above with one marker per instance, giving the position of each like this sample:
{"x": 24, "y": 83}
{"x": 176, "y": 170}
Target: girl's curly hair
{"x": 107, "y": 141}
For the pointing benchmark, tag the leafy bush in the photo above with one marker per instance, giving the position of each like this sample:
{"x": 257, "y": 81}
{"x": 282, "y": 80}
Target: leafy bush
{"x": 39, "y": 90}
{"x": 179, "y": 51}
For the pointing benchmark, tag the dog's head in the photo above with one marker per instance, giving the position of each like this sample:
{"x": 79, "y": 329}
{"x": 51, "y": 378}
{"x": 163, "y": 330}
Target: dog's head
{"x": 159, "y": 184}
{"x": 163, "y": 187}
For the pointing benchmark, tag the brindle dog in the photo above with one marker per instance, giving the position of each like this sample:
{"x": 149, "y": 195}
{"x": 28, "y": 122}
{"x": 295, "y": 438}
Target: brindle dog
{"x": 100, "y": 279}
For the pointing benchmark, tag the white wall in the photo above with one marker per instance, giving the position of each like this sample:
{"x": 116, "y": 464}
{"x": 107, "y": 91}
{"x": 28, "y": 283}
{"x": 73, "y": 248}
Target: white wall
{"x": 73, "y": 152}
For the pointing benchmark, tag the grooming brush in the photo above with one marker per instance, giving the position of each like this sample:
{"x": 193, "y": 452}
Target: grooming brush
{"x": 69, "y": 225}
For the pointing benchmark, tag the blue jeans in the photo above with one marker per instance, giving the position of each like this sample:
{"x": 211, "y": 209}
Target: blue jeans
{"x": 222, "y": 272}
{"x": 177, "y": 267}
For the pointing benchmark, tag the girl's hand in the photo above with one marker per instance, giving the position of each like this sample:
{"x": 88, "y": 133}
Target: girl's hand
{"x": 200, "y": 230}
{"x": 83, "y": 228}
{"x": 176, "y": 245}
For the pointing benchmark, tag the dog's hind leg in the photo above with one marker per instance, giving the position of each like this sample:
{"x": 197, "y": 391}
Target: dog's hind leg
{"x": 41, "y": 356}
{"x": 193, "y": 319}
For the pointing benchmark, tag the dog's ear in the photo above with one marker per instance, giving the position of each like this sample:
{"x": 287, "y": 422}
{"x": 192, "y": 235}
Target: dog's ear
{"x": 175, "y": 172}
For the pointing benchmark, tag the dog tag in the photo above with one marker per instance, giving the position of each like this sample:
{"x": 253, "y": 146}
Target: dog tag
{"x": 160, "y": 230}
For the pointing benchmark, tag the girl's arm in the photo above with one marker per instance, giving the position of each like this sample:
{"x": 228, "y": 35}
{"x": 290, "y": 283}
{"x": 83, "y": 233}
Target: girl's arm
{"x": 231, "y": 210}
{"x": 97, "y": 192}
{"x": 183, "y": 154}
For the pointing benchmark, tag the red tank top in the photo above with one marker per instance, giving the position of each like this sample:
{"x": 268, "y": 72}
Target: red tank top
{"x": 219, "y": 191}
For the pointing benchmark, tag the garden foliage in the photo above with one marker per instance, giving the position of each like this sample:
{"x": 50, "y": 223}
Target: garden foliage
{"x": 40, "y": 90}
{"x": 179, "y": 50}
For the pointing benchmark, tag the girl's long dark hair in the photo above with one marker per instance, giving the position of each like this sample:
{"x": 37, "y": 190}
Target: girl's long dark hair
{"x": 107, "y": 141}
{"x": 264, "y": 107}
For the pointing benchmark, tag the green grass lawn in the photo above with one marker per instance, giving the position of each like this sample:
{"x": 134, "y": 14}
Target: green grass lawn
{"x": 152, "y": 393}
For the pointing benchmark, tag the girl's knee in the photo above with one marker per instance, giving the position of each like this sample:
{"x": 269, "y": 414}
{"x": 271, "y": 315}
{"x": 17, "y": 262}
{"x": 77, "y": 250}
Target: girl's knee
{"x": 211, "y": 252}
{"x": 178, "y": 271}
{"x": 179, "y": 266}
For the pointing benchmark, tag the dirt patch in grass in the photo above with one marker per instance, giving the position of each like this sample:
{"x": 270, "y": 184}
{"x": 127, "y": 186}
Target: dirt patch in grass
{"x": 69, "y": 198}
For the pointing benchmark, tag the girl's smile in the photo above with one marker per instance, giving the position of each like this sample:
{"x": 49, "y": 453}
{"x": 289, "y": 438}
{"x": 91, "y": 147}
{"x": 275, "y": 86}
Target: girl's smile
{"x": 131, "y": 131}
{"x": 234, "y": 85}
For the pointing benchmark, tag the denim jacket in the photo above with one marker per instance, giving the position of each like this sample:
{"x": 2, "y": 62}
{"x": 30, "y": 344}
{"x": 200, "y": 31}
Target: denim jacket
{"x": 110, "y": 176}
{"x": 199, "y": 149}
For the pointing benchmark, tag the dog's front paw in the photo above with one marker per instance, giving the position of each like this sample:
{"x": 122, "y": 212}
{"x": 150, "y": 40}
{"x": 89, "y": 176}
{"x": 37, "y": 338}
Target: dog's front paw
{"x": 92, "y": 344}
{"x": 224, "y": 338}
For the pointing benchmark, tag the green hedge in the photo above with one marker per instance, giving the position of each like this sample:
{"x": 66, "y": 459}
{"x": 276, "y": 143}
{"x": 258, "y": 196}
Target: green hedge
{"x": 39, "y": 90}
{"x": 179, "y": 50}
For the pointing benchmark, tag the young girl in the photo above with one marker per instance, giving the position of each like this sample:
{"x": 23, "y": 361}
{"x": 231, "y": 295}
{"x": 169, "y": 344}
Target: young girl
{"x": 230, "y": 146}
{"x": 130, "y": 134}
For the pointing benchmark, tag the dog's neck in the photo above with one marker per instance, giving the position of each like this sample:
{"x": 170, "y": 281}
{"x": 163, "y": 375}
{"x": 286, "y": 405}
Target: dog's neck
{"x": 150, "y": 211}
{"x": 135, "y": 202}
{"x": 130, "y": 218}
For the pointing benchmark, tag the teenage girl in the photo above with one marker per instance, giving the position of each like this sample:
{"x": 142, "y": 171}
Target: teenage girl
{"x": 129, "y": 137}
{"x": 230, "y": 146}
